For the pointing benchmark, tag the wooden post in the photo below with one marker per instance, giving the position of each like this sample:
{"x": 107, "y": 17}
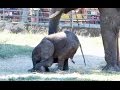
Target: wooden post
{"x": 71, "y": 19}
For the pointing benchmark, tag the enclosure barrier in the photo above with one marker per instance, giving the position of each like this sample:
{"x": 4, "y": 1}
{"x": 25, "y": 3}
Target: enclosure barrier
{"x": 40, "y": 17}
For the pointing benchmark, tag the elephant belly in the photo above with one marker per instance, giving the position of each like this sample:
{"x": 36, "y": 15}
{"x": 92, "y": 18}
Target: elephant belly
{"x": 66, "y": 52}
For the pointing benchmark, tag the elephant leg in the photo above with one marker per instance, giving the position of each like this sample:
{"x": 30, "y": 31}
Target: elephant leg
{"x": 53, "y": 23}
{"x": 39, "y": 67}
{"x": 31, "y": 70}
{"x": 60, "y": 64}
{"x": 43, "y": 65}
{"x": 65, "y": 67}
{"x": 34, "y": 64}
{"x": 47, "y": 69}
{"x": 66, "y": 51}
{"x": 110, "y": 43}
{"x": 109, "y": 18}
{"x": 55, "y": 60}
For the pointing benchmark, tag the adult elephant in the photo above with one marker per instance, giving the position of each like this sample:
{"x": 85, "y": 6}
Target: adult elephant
{"x": 110, "y": 21}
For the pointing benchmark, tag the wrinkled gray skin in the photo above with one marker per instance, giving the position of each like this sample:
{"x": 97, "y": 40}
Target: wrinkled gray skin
{"x": 110, "y": 21}
{"x": 55, "y": 48}
{"x": 40, "y": 54}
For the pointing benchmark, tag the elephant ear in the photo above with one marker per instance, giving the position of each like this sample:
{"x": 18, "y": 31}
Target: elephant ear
{"x": 47, "y": 49}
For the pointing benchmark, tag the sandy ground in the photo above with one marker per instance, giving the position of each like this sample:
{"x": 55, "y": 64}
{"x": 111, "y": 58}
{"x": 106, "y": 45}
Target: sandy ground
{"x": 20, "y": 64}
{"x": 17, "y": 66}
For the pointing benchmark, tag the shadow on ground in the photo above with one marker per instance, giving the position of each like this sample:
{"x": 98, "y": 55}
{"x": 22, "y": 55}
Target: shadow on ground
{"x": 10, "y": 50}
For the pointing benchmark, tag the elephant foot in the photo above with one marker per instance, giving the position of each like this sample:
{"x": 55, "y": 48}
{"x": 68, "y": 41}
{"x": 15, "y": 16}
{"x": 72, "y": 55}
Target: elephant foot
{"x": 47, "y": 69}
{"x": 41, "y": 69}
{"x": 66, "y": 68}
{"x": 111, "y": 68}
{"x": 60, "y": 68}
{"x": 59, "y": 71}
{"x": 31, "y": 70}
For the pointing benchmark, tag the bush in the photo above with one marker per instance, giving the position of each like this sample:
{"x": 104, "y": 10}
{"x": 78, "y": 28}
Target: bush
{"x": 8, "y": 26}
{"x": 92, "y": 32}
{"x": 37, "y": 29}
{"x": 20, "y": 27}
{"x": 2, "y": 25}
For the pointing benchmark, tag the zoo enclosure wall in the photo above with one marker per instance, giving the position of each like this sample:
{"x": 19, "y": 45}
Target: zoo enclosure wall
{"x": 87, "y": 17}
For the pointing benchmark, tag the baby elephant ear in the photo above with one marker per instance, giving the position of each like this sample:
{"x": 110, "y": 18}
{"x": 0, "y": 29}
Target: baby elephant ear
{"x": 47, "y": 49}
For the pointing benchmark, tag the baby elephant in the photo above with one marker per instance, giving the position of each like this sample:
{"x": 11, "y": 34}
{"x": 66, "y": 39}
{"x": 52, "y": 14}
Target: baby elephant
{"x": 55, "y": 48}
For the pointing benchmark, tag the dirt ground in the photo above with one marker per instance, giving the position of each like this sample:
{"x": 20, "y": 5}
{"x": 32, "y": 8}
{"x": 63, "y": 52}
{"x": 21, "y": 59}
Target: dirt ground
{"x": 20, "y": 64}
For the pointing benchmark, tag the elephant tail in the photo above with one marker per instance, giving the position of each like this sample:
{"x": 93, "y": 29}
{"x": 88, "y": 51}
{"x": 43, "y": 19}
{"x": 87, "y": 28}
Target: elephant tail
{"x": 82, "y": 53}
{"x": 72, "y": 60}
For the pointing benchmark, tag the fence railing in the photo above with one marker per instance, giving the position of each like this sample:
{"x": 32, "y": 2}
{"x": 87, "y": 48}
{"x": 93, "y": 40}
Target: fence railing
{"x": 39, "y": 17}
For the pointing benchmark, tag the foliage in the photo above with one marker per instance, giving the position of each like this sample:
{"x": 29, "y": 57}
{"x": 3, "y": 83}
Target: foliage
{"x": 20, "y": 27}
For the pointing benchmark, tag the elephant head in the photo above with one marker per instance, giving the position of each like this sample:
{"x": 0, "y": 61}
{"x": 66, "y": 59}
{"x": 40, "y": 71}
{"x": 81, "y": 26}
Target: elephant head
{"x": 43, "y": 65}
{"x": 42, "y": 53}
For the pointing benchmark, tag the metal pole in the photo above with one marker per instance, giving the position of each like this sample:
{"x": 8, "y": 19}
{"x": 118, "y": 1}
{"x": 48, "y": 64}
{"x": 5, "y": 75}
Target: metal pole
{"x": 43, "y": 19}
{"x": 71, "y": 19}
{"x": 3, "y": 14}
{"x": 25, "y": 15}
{"x": 20, "y": 14}
{"x": 77, "y": 19}
{"x": 37, "y": 17}
{"x": 31, "y": 16}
